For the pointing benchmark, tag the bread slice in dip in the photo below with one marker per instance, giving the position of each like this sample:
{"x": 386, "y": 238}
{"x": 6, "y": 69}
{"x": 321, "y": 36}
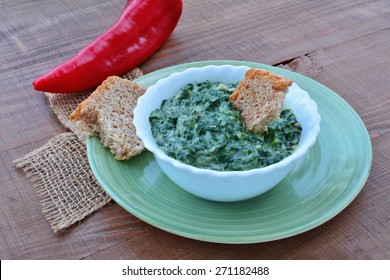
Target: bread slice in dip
{"x": 259, "y": 98}
{"x": 108, "y": 113}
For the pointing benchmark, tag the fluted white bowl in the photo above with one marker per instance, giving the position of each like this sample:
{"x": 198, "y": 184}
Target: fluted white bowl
{"x": 223, "y": 185}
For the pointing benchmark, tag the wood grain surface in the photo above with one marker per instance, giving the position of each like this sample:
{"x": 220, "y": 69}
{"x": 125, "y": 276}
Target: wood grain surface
{"x": 342, "y": 44}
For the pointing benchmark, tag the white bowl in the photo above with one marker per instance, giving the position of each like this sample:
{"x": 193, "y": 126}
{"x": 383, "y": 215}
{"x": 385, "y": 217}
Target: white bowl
{"x": 223, "y": 185}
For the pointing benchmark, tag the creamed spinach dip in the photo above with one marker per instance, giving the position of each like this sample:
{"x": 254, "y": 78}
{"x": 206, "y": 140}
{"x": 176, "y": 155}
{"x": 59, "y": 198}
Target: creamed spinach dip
{"x": 200, "y": 127}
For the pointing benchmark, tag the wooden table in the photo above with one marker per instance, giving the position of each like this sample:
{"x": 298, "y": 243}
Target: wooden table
{"x": 344, "y": 45}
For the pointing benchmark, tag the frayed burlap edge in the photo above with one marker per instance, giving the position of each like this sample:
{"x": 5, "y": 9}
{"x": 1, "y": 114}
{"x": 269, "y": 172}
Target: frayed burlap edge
{"x": 64, "y": 183}
{"x": 59, "y": 170}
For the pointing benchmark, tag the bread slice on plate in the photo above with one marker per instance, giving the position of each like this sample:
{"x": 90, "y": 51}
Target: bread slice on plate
{"x": 259, "y": 98}
{"x": 108, "y": 113}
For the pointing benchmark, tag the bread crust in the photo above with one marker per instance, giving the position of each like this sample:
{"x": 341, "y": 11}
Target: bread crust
{"x": 259, "y": 98}
{"x": 77, "y": 113}
{"x": 278, "y": 83}
{"x": 108, "y": 113}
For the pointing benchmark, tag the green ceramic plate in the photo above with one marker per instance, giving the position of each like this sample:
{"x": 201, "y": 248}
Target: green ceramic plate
{"x": 323, "y": 183}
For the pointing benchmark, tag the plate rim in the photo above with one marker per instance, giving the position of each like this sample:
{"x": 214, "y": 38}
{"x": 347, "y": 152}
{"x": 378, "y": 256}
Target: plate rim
{"x": 292, "y": 232}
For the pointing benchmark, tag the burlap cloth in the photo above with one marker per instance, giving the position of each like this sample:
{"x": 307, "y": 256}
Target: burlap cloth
{"x": 59, "y": 170}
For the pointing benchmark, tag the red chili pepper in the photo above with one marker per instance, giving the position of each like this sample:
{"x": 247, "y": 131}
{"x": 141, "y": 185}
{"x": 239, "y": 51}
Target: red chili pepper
{"x": 141, "y": 29}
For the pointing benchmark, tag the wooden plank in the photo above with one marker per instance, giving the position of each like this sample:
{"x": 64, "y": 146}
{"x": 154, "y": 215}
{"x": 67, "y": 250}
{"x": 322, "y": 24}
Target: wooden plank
{"x": 352, "y": 71}
{"x": 267, "y": 33}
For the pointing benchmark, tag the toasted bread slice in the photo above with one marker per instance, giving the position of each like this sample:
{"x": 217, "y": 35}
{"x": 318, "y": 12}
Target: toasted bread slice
{"x": 108, "y": 113}
{"x": 259, "y": 98}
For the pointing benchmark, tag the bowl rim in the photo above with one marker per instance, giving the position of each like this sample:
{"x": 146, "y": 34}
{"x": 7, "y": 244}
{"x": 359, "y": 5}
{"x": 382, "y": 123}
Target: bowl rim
{"x": 160, "y": 154}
